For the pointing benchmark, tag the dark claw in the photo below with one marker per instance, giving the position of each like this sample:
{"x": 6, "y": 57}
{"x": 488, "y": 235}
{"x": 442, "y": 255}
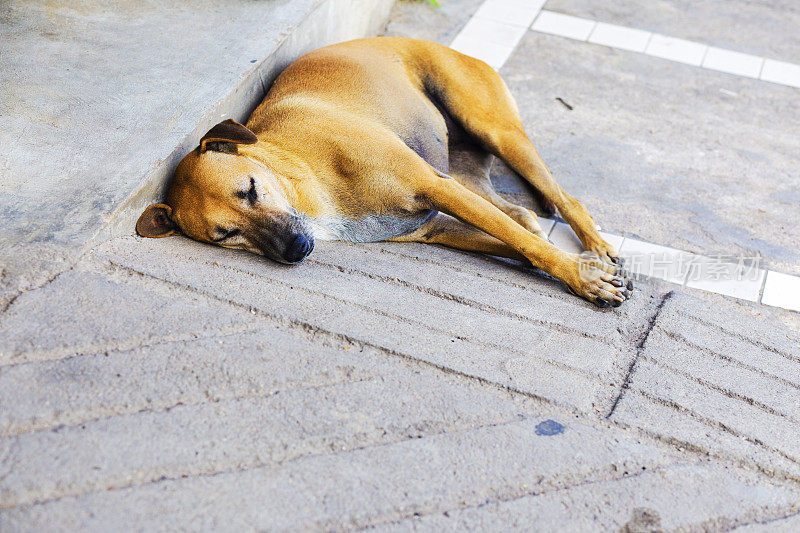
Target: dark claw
{"x": 600, "y": 302}
{"x": 569, "y": 289}
{"x": 629, "y": 285}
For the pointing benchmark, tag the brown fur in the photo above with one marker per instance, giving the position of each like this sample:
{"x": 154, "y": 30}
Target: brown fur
{"x": 368, "y": 138}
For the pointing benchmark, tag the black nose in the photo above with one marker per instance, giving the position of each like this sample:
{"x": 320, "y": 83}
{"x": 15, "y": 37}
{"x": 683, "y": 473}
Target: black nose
{"x": 298, "y": 249}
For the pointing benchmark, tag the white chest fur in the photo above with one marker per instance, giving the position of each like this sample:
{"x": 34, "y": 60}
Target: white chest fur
{"x": 367, "y": 229}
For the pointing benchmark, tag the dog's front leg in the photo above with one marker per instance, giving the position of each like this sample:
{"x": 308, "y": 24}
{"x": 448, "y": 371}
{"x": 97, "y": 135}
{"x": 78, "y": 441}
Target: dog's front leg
{"x": 591, "y": 278}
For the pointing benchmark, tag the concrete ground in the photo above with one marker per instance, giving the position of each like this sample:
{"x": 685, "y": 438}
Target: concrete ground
{"x": 163, "y": 384}
{"x": 158, "y": 384}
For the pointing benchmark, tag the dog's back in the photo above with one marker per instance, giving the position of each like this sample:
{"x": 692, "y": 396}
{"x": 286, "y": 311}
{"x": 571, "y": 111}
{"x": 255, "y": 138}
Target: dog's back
{"x": 387, "y": 85}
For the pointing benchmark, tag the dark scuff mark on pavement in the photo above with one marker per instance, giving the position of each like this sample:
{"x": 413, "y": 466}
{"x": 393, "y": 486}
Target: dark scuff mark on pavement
{"x": 639, "y": 347}
{"x": 549, "y": 428}
{"x": 562, "y": 102}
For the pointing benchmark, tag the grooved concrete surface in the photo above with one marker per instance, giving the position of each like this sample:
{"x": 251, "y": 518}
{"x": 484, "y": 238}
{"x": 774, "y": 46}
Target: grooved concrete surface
{"x": 162, "y": 384}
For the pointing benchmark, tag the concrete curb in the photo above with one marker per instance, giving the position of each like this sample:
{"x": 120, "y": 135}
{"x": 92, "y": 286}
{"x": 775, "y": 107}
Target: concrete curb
{"x": 329, "y": 22}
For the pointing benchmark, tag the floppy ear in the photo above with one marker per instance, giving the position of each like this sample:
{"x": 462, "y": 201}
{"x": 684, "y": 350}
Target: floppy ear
{"x": 156, "y": 222}
{"x": 225, "y": 136}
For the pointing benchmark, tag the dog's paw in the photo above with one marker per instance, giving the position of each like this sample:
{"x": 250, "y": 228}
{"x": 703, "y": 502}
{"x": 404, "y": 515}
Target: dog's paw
{"x": 599, "y": 281}
{"x": 605, "y": 252}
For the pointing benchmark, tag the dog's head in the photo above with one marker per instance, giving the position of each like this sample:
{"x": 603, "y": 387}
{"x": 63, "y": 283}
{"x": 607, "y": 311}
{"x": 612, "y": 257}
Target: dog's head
{"x": 224, "y": 197}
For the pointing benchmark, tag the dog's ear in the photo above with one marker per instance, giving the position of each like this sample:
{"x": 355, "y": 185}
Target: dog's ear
{"x": 156, "y": 222}
{"x": 225, "y": 136}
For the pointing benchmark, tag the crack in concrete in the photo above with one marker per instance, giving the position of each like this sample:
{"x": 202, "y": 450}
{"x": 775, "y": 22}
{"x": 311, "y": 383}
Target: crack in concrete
{"x": 510, "y": 351}
{"x": 241, "y": 466}
{"x": 463, "y": 301}
{"x": 735, "y": 362}
{"x": 728, "y": 393}
{"x": 52, "y": 424}
{"x": 313, "y": 329}
{"x": 716, "y": 424}
{"x": 683, "y": 445}
{"x": 95, "y": 348}
{"x": 50, "y": 279}
{"x": 70, "y": 265}
{"x": 754, "y": 342}
{"x": 794, "y": 514}
{"x": 728, "y": 524}
{"x": 639, "y": 350}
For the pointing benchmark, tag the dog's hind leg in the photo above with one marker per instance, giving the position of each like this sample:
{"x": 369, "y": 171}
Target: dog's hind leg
{"x": 469, "y": 165}
{"x": 478, "y": 99}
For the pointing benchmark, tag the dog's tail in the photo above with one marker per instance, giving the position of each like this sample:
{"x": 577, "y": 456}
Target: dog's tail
{"x": 475, "y": 96}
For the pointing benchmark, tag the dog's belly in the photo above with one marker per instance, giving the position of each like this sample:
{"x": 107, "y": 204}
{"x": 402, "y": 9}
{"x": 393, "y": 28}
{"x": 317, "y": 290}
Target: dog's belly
{"x": 371, "y": 228}
{"x": 430, "y": 145}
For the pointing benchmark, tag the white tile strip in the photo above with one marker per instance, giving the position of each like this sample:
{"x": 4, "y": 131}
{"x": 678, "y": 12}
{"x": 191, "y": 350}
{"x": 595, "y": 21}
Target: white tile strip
{"x": 492, "y": 31}
{"x": 514, "y": 12}
{"x": 654, "y": 261}
{"x": 781, "y": 72}
{"x": 666, "y": 47}
{"x": 733, "y": 62}
{"x": 675, "y": 49}
{"x": 741, "y": 281}
{"x": 492, "y": 34}
{"x": 620, "y": 37}
{"x": 563, "y": 25}
{"x": 493, "y": 54}
{"x": 495, "y": 29}
{"x": 562, "y": 236}
{"x": 546, "y": 224}
{"x": 782, "y": 290}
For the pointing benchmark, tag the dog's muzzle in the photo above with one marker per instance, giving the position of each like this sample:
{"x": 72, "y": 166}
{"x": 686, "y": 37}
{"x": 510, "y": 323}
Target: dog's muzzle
{"x": 298, "y": 248}
{"x": 283, "y": 237}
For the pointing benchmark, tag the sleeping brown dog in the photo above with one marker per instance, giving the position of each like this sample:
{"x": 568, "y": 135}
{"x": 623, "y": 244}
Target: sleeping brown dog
{"x": 380, "y": 139}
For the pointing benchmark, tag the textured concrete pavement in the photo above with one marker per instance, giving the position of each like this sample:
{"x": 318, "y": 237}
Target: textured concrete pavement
{"x": 166, "y": 384}
{"x": 162, "y": 384}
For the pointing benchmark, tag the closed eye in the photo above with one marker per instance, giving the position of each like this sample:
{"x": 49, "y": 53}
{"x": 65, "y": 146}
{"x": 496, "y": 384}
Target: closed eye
{"x": 251, "y": 195}
{"x": 225, "y": 234}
